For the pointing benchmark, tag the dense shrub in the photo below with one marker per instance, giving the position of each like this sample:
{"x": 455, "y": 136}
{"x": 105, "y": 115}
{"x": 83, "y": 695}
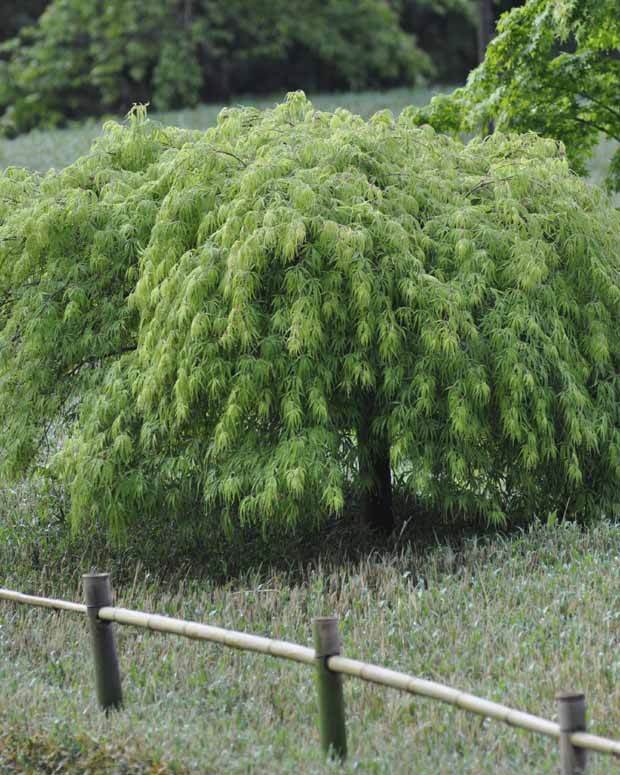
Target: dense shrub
{"x": 554, "y": 68}
{"x": 84, "y": 58}
{"x": 247, "y": 320}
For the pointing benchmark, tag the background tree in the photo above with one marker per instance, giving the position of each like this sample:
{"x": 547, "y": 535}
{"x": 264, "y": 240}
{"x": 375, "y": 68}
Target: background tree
{"x": 83, "y": 58}
{"x": 19, "y": 13}
{"x": 486, "y": 26}
{"x": 554, "y": 68}
{"x": 453, "y": 33}
{"x": 244, "y": 324}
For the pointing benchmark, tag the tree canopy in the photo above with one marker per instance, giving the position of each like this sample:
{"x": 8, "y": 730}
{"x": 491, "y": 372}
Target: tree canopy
{"x": 84, "y": 58}
{"x": 554, "y": 68}
{"x": 243, "y": 324}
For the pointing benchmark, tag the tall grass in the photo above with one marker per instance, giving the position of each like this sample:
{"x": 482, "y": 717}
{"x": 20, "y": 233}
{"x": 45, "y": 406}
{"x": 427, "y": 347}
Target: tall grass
{"x": 513, "y": 619}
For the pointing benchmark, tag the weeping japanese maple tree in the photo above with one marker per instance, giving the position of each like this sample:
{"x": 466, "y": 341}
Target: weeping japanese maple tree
{"x": 247, "y": 324}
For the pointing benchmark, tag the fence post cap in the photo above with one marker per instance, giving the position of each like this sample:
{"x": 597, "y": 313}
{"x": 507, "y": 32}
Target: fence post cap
{"x": 570, "y": 696}
{"x": 326, "y": 636}
{"x": 97, "y": 590}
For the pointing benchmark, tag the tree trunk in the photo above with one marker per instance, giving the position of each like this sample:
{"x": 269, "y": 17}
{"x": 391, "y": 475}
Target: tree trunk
{"x": 486, "y": 32}
{"x": 375, "y": 475}
{"x": 485, "y": 26}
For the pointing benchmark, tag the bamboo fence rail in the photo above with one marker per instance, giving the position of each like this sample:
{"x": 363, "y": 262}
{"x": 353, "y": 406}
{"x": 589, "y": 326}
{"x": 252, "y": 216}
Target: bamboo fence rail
{"x": 41, "y": 602}
{"x": 236, "y": 640}
{"x": 574, "y": 740}
{"x": 469, "y": 702}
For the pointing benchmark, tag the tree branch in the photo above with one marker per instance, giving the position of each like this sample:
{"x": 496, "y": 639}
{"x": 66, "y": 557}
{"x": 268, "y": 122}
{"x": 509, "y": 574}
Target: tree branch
{"x": 585, "y": 122}
{"x": 487, "y": 182}
{"x": 601, "y": 104}
{"x": 91, "y": 359}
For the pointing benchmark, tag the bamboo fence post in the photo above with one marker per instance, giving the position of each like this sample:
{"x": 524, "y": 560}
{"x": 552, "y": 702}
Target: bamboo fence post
{"x": 331, "y": 699}
{"x": 98, "y": 594}
{"x": 572, "y": 718}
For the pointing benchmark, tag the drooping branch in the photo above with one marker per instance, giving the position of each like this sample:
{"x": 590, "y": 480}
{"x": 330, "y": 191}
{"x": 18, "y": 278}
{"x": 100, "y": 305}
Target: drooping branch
{"x": 93, "y": 359}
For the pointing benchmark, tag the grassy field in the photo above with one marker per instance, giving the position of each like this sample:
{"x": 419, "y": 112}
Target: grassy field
{"x": 512, "y": 619}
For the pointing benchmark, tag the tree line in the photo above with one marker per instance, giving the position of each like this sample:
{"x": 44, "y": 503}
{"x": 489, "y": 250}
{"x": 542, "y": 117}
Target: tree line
{"x": 67, "y": 59}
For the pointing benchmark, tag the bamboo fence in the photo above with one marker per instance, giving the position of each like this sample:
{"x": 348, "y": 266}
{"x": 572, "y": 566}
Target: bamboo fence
{"x": 330, "y": 665}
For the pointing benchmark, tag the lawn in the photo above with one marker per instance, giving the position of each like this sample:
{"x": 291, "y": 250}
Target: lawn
{"x": 513, "y": 619}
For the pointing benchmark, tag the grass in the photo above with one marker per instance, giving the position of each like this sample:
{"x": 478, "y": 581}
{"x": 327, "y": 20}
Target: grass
{"x": 43, "y": 149}
{"x": 512, "y": 618}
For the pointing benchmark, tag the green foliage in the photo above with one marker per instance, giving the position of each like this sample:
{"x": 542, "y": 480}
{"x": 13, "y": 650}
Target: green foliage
{"x": 446, "y": 30}
{"x": 554, "y": 68}
{"x": 198, "y": 323}
{"x": 85, "y": 58}
{"x": 43, "y": 149}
